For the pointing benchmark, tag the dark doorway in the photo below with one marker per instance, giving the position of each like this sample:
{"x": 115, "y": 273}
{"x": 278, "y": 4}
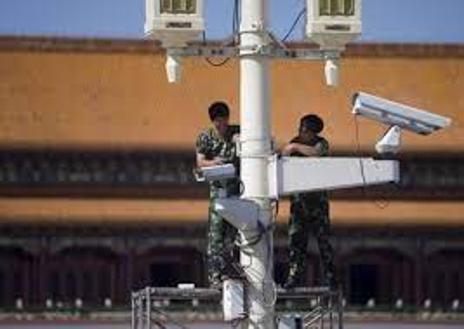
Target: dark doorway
{"x": 167, "y": 274}
{"x": 71, "y": 286}
{"x": 363, "y": 282}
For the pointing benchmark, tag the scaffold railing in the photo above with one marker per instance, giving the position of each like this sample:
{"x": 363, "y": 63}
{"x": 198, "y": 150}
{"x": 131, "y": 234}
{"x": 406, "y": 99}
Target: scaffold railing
{"x": 313, "y": 307}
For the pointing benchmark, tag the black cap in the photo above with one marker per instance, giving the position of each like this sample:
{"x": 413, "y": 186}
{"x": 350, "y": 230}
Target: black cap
{"x": 312, "y": 122}
{"x": 218, "y": 109}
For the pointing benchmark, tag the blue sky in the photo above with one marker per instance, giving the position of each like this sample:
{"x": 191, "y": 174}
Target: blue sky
{"x": 384, "y": 20}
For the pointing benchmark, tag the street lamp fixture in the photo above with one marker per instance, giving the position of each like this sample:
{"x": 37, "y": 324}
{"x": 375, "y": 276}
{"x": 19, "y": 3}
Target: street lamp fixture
{"x": 332, "y": 24}
{"x": 174, "y": 23}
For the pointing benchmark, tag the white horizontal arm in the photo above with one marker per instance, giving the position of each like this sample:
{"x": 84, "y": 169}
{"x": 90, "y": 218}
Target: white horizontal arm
{"x": 289, "y": 175}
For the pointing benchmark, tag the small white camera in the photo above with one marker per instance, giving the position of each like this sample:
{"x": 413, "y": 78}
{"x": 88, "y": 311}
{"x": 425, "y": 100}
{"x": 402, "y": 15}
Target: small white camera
{"x": 174, "y": 23}
{"x": 331, "y": 71}
{"x": 173, "y": 68}
{"x": 396, "y": 114}
{"x": 215, "y": 173}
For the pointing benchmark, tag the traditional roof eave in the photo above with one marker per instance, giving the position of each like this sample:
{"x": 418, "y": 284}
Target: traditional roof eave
{"x": 102, "y": 45}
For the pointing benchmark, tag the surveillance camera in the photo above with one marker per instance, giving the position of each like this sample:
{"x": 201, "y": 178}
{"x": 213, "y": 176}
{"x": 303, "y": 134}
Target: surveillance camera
{"x": 215, "y": 173}
{"x": 331, "y": 72}
{"x": 173, "y": 68}
{"x": 396, "y": 114}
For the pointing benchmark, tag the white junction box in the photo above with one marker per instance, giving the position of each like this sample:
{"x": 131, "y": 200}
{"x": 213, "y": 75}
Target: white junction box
{"x": 233, "y": 300}
{"x": 174, "y": 22}
{"x": 333, "y": 23}
{"x": 290, "y": 175}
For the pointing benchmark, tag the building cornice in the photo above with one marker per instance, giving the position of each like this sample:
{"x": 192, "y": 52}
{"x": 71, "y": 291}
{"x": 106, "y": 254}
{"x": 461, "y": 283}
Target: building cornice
{"x": 141, "y": 46}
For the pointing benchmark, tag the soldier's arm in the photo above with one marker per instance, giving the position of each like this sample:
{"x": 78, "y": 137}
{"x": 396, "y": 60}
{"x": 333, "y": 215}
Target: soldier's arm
{"x": 320, "y": 149}
{"x": 202, "y": 148}
{"x": 202, "y": 162}
{"x": 303, "y": 149}
{"x": 300, "y": 148}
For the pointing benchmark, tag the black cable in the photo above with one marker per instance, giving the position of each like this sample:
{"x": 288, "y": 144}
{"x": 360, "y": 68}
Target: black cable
{"x": 295, "y": 22}
{"x": 218, "y": 64}
{"x": 381, "y": 204}
{"x": 235, "y": 22}
{"x": 236, "y": 17}
{"x": 204, "y": 37}
{"x": 209, "y": 61}
{"x": 358, "y": 151}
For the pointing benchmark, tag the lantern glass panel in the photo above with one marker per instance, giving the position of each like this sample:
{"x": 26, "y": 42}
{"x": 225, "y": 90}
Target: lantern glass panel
{"x": 178, "y": 6}
{"x": 336, "y": 7}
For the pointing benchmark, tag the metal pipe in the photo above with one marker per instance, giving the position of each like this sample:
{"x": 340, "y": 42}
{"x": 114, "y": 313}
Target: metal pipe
{"x": 340, "y": 308}
{"x": 255, "y": 151}
{"x": 148, "y": 310}
{"x": 133, "y": 315}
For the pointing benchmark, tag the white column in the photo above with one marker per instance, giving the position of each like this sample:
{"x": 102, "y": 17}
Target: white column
{"x": 257, "y": 260}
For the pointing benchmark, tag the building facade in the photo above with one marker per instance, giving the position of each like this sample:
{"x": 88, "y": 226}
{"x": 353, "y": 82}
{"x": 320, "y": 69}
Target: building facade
{"x": 97, "y": 196}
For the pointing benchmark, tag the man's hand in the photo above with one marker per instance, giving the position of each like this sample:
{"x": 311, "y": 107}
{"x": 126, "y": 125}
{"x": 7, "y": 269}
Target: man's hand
{"x": 203, "y": 162}
{"x": 289, "y": 149}
{"x": 303, "y": 149}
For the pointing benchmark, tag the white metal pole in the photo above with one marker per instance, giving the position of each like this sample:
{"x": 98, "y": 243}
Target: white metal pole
{"x": 257, "y": 260}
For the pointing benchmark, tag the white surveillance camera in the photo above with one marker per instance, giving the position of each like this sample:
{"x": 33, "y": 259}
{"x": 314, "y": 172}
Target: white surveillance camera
{"x": 396, "y": 114}
{"x": 173, "y": 68}
{"x": 215, "y": 173}
{"x": 331, "y": 72}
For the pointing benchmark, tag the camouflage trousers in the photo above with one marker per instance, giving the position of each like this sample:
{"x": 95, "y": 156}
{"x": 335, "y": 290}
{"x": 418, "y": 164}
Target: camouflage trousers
{"x": 306, "y": 218}
{"x": 220, "y": 251}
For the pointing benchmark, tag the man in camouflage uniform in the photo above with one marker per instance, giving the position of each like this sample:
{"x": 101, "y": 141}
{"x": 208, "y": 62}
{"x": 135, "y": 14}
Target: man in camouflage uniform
{"x": 309, "y": 212}
{"x": 216, "y": 146}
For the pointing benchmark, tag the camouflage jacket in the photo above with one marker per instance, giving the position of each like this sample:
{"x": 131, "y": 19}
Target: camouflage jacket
{"x": 321, "y": 145}
{"x": 211, "y": 145}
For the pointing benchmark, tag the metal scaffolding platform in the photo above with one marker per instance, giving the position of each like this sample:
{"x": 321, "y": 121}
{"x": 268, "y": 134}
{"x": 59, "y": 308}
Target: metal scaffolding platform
{"x": 316, "y": 307}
